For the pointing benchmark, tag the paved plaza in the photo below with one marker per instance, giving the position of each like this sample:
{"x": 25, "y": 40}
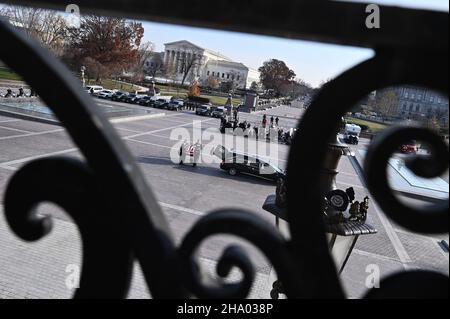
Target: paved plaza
{"x": 38, "y": 270}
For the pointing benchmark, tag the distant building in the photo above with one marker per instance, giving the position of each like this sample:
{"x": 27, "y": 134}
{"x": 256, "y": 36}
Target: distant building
{"x": 416, "y": 103}
{"x": 207, "y": 63}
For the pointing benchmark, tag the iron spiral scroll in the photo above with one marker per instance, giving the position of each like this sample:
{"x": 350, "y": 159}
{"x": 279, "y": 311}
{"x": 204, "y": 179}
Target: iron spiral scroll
{"x": 136, "y": 228}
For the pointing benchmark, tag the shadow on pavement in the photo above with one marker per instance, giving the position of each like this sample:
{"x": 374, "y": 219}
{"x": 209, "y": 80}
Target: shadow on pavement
{"x": 204, "y": 169}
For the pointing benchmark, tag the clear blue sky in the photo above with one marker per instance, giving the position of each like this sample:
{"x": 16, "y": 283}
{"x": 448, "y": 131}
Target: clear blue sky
{"x": 311, "y": 62}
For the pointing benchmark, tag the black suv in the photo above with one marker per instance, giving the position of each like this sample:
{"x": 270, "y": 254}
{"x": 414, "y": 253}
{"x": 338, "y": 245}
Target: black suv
{"x": 161, "y": 104}
{"x": 204, "y": 110}
{"x": 145, "y": 101}
{"x": 117, "y": 96}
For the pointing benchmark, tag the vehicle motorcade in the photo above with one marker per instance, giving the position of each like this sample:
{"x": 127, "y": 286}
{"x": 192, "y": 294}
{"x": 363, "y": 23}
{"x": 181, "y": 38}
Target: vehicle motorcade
{"x": 351, "y": 134}
{"x": 218, "y": 112}
{"x": 105, "y": 94}
{"x": 204, "y": 110}
{"x": 117, "y": 96}
{"x": 93, "y": 89}
{"x": 409, "y": 148}
{"x": 241, "y": 163}
{"x": 175, "y": 105}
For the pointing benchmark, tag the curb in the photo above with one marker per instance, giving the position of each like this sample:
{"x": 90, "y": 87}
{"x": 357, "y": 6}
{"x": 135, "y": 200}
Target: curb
{"x": 360, "y": 172}
{"x": 57, "y": 123}
{"x": 137, "y": 118}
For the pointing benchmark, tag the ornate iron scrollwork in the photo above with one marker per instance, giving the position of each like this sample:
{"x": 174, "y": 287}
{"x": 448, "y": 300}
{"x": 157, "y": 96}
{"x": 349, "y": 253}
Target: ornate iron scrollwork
{"x": 136, "y": 226}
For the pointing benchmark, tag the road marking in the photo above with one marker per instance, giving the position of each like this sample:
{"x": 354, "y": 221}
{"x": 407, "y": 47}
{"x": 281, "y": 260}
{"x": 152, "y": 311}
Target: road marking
{"x": 15, "y": 129}
{"x": 348, "y": 174}
{"x": 30, "y": 134}
{"x": 169, "y": 147}
{"x": 9, "y": 121}
{"x": 31, "y": 158}
{"x": 137, "y": 118}
{"x": 147, "y": 143}
{"x": 377, "y": 256}
{"x": 175, "y": 121}
{"x": 126, "y": 130}
{"x": 164, "y": 129}
{"x": 9, "y": 168}
{"x": 183, "y": 209}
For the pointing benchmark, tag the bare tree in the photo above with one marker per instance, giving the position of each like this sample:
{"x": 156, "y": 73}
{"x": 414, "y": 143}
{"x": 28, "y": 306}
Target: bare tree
{"x": 170, "y": 73}
{"x": 137, "y": 69}
{"x": 154, "y": 66}
{"x": 234, "y": 79}
{"x": 385, "y": 102}
{"x": 254, "y": 86}
{"x": 46, "y": 26}
{"x": 212, "y": 82}
{"x": 189, "y": 61}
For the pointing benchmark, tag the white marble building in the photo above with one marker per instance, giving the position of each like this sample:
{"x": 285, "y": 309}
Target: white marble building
{"x": 202, "y": 64}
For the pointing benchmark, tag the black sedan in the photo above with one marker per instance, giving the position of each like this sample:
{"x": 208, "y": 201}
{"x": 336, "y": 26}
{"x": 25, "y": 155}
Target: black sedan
{"x": 239, "y": 163}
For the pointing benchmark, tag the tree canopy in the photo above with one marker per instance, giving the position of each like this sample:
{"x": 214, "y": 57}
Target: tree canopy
{"x": 110, "y": 43}
{"x": 275, "y": 75}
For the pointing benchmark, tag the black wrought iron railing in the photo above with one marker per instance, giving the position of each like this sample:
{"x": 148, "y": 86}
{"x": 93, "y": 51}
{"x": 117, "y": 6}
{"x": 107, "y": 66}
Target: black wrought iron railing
{"x": 411, "y": 47}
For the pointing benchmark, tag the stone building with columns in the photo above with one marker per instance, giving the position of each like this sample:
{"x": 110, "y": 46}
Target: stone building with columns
{"x": 183, "y": 57}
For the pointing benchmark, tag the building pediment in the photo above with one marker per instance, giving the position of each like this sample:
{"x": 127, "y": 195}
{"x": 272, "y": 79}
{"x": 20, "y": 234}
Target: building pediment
{"x": 184, "y": 45}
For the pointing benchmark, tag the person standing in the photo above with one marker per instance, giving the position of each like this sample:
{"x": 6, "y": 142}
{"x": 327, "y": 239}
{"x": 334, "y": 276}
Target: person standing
{"x": 264, "y": 121}
{"x": 9, "y": 93}
{"x": 276, "y": 121}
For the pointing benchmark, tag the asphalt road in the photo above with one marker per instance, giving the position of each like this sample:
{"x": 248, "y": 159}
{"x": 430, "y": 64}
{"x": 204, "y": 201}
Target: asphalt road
{"x": 187, "y": 193}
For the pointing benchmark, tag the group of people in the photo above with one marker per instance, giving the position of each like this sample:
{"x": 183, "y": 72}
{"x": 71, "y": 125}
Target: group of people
{"x": 264, "y": 121}
{"x": 21, "y": 93}
{"x": 259, "y": 131}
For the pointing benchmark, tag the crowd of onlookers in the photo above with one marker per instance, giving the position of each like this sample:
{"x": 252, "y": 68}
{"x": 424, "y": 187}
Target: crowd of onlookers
{"x": 17, "y": 93}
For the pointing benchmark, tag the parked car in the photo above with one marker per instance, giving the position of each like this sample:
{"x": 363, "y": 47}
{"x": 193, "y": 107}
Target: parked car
{"x": 241, "y": 163}
{"x": 175, "y": 105}
{"x": 204, "y": 110}
{"x": 93, "y": 89}
{"x": 145, "y": 101}
{"x": 139, "y": 97}
{"x": 133, "y": 98}
{"x": 409, "y": 148}
{"x": 161, "y": 103}
{"x": 105, "y": 94}
{"x": 117, "y": 96}
{"x": 218, "y": 112}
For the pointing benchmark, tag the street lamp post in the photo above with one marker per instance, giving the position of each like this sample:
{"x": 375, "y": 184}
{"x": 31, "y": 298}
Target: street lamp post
{"x": 83, "y": 68}
{"x": 153, "y": 88}
{"x": 344, "y": 218}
